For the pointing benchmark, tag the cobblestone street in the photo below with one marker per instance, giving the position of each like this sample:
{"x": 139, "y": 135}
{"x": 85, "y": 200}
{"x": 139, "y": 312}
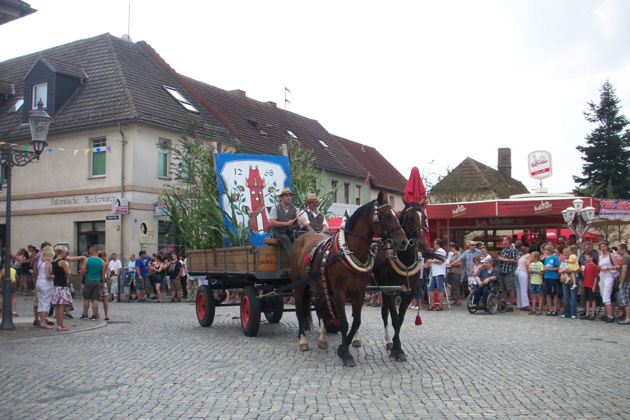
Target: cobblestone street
{"x": 155, "y": 361}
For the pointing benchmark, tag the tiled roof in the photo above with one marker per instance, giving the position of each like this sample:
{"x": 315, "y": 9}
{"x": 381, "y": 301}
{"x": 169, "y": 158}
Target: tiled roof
{"x": 14, "y": 9}
{"x": 124, "y": 85}
{"x": 262, "y": 127}
{"x": 382, "y": 173}
{"x": 471, "y": 176}
{"x": 66, "y": 68}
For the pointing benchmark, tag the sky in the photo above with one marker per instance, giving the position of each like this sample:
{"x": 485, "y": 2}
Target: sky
{"x": 427, "y": 83}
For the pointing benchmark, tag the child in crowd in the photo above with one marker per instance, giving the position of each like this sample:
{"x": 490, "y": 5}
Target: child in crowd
{"x": 573, "y": 266}
{"x": 590, "y": 271}
{"x": 550, "y": 279}
{"x": 535, "y": 280}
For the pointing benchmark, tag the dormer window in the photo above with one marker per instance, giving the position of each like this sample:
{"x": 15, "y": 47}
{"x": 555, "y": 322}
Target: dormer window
{"x": 180, "y": 98}
{"x": 17, "y": 105}
{"x": 40, "y": 92}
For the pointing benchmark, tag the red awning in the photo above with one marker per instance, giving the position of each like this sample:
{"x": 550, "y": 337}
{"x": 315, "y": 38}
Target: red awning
{"x": 505, "y": 208}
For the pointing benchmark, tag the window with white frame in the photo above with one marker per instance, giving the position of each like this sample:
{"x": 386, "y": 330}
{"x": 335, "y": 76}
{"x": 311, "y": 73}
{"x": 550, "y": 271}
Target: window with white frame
{"x": 164, "y": 146}
{"x": 98, "y": 157}
{"x": 40, "y": 91}
{"x": 180, "y": 98}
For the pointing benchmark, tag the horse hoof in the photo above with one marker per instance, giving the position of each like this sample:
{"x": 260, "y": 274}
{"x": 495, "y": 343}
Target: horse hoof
{"x": 356, "y": 343}
{"x": 322, "y": 344}
{"x": 304, "y": 347}
{"x": 389, "y": 346}
{"x": 400, "y": 357}
{"x": 340, "y": 352}
{"x": 349, "y": 362}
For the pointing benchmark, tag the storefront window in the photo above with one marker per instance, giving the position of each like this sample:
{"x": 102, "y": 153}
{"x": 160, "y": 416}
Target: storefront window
{"x": 90, "y": 234}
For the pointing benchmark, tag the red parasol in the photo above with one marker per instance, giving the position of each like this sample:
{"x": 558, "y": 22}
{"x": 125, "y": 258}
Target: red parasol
{"x": 414, "y": 193}
{"x": 414, "y": 190}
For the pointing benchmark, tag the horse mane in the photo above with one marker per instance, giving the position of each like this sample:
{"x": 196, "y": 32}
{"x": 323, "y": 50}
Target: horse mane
{"x": 359, "y": 213}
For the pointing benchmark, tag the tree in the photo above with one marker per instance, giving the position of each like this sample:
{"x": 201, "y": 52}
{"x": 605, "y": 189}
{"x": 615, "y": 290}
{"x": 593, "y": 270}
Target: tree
{"x": 192, "y": 202}
{"x": 606, "y": 168}
{"x": 304, "y": 177}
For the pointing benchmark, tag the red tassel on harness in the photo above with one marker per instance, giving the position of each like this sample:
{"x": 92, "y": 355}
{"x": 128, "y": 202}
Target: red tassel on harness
{"x": 307, "y": 259}
{"x": 418, "y": 320}
{"x": 335, "y": 323}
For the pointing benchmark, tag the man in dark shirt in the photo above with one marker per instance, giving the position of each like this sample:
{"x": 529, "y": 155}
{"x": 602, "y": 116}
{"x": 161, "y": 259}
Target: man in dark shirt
{"x": 507, "y": 265}
{"x": 486, "y": 277}
{"x": 283, "y": 220}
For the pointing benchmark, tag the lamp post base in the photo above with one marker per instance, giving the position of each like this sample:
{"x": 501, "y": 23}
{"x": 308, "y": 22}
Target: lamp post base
{"x": 7, "y": 314}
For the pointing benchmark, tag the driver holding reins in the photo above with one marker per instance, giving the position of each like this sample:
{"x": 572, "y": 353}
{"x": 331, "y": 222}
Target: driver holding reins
{"x": 283, "y": 220}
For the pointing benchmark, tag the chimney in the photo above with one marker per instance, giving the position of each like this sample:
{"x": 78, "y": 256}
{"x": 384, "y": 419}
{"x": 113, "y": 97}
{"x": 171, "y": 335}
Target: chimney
{"x": 272, "y": 103}
{"x": 505, "y": 163}
{"x": 240, "y": 92}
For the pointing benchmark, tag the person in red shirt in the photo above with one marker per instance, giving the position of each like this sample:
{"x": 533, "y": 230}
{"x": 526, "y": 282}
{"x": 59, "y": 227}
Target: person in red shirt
{"x": 590, "y": 272}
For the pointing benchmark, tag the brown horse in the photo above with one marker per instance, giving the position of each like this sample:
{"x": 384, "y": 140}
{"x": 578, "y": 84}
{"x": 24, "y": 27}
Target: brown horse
{"x": 403, "y": 268}
{"x": 340, "y": 269}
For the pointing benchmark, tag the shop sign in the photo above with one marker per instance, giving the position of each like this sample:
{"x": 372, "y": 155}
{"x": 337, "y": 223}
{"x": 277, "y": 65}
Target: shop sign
{"x": 539, "y": 164}
{"x": 120, "y": 206}
{"x": 614, "y": 209}
{"x": 145, "y": 232}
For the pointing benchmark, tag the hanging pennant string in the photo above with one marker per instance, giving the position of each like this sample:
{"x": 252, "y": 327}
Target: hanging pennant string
{"x": 75, "y": 152}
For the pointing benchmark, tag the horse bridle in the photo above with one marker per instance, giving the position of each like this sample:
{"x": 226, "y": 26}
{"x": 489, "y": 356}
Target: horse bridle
{"x": 377, "y": 219}
{"x": 422, "y": 229}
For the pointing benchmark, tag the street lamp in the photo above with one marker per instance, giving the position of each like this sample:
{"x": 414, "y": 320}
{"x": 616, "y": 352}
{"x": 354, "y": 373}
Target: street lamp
{"x": 39, "y": 121}
{"x": 579, "y": 218}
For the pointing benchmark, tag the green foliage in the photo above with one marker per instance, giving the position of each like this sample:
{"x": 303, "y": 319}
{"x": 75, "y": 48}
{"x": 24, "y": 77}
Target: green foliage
{"x": 192, "y": 202}
{"x": 305, "y": 177}
{"x": 606, "y": 168}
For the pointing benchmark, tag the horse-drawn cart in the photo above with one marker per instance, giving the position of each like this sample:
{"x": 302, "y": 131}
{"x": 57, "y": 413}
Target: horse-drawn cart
{"x": 257, "y": 270}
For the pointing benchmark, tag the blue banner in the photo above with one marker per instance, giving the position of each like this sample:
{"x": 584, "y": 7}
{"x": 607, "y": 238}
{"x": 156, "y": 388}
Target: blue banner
{"x": 252, "y": 182}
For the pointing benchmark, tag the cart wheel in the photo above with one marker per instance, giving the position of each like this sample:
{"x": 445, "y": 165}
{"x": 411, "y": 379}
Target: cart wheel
{"x": 274, "y": 308}
{"x": 491, "y": 303}
{"x": 470, "y": 304}
{"x": 205, "y": 306}
{"x": 250, "y": 311}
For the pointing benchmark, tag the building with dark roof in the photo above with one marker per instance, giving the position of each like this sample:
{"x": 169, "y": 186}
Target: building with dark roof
{"x": 473, "y": 181}
{"x": 382, "y": 175}
{"x": 114, "y": 103}
{"x": 112, "y": 106}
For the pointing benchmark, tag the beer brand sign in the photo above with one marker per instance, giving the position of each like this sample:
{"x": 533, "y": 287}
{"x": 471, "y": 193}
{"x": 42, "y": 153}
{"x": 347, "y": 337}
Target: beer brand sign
{"x": 539, "y": 164}
{"x": 459, "y": 210}
{"x": 543, "y": 207}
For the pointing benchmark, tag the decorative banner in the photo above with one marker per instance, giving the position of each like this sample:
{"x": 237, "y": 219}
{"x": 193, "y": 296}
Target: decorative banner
{"x": 614, "y": 209}
{"x": 252, "y": 182}
{"x": 539, "y": 164}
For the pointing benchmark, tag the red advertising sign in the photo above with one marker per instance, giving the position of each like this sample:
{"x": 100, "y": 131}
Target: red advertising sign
{"x": 614, "y": 209}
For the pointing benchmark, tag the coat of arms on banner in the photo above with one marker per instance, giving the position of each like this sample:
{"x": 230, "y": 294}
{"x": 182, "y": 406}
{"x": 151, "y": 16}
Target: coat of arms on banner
{"x": 252, "y": 182}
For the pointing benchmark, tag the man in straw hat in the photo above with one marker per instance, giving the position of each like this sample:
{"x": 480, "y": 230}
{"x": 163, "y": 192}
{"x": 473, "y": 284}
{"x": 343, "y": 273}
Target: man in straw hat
{"x": 316, "y": 222}
{"x": 284, "y": 219}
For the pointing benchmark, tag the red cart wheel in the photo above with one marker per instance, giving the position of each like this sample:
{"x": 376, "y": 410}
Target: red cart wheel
{"x": 205, "y": 306}
{"x": 250, "y": 311}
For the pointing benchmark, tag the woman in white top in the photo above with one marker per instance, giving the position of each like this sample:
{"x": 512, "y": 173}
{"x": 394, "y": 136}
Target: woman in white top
{"x": 521, "y": 275}
{"x": 44, "y": 284}
{"x": 607, "y": 266}
{"x": 484, "y": 255}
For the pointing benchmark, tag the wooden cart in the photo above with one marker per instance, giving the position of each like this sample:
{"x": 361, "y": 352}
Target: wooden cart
{"x": 255, "y": 269}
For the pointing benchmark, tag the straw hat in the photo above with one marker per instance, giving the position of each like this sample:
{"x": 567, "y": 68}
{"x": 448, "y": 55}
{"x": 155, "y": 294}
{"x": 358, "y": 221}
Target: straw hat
{"x": 312, "y": 198}
{"x": 285, "y": 191}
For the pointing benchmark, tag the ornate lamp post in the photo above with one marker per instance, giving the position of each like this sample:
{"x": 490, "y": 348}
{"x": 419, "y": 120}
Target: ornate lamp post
{"x": 579, "y": 218}
{"x": 39, "y": 122}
